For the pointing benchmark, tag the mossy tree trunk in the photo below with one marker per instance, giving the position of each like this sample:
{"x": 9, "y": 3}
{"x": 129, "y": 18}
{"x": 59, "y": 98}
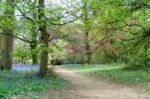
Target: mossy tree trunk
{"x": 45, "y": 37}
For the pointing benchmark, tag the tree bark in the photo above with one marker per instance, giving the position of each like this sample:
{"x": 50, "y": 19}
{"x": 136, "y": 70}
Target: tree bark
{"x": 88, "y": 48}
{"x": 45, "y": 36}
{"x": 7, "y": 41}
{"x": 44, "y": 54}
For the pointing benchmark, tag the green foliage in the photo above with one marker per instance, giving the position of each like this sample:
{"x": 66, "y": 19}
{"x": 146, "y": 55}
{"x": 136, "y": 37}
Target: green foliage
{"x": 20, "y": 53}
{"x": 20, "y": 83}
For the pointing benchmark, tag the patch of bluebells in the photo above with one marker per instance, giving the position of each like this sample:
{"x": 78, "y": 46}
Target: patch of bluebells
{"x": 25, "y": 67}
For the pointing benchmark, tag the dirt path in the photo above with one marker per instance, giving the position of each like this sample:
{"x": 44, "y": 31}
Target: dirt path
{"x": 84, "y": 87}
{"x": 81, "y": 86}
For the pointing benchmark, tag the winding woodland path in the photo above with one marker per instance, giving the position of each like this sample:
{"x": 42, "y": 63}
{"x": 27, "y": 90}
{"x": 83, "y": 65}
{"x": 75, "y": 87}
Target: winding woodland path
{"x": 82, "y": 86}
{"x": 85, "y": 87}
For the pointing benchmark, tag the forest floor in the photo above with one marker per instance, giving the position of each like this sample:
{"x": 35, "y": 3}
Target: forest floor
{"x": 81, "y": 85}
{"x": 85, "y": 86}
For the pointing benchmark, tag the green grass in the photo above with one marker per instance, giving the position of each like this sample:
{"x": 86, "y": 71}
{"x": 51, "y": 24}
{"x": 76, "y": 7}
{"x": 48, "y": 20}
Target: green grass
{"x": 117, "y": 73}
{"x": 20, "y": 83}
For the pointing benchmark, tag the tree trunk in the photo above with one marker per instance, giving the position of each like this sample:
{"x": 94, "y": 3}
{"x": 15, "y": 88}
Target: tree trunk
{"x": 44, "y": 54}
{"x": 45, "y": 36}
{"x": 88, "y": 48}
{"x": 146, "y": 54}
{"x": 7, "y": 41}
{"x": 6, "y": 52}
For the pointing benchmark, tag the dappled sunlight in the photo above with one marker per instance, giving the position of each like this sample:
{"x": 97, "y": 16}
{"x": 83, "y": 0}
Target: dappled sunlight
{"x": 100, "y": 68}
{"x": 93, "y": 68}
{"x": 45, "y": 42}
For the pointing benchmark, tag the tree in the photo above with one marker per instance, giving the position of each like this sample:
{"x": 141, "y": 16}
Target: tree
{"x": 45, "y": 38}
{"x": 7, "y": 40}
{"x": 90, "y": 10}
